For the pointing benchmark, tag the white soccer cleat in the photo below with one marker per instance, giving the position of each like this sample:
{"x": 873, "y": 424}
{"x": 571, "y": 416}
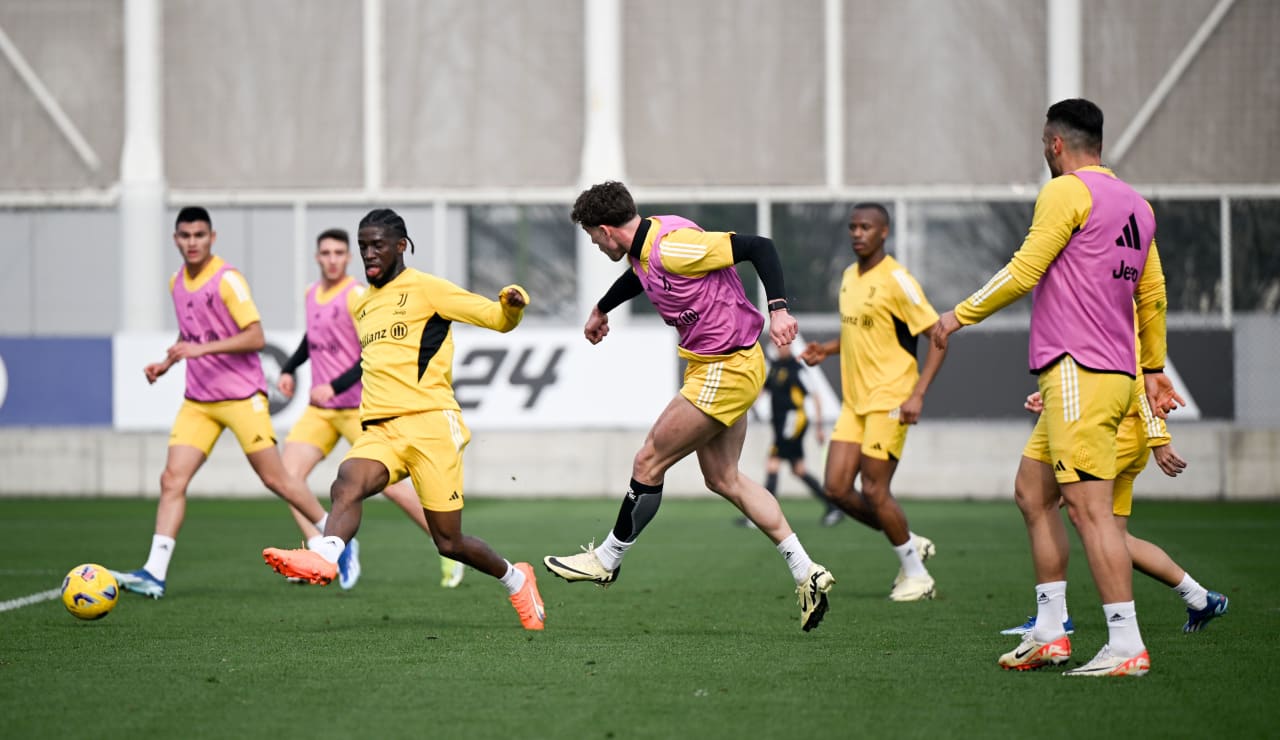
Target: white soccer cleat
{"x": 451, "y": 572}
{"x": 913, "y": 588}
{"x": 1030, "y": 654}
{"x": 584, "y": 566}
{"x": 1107, "y": 663}
{"x": 926, "y": 549}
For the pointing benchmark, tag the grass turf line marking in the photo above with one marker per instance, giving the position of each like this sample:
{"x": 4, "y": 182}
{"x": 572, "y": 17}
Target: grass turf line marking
{"x": 18, "y": 603}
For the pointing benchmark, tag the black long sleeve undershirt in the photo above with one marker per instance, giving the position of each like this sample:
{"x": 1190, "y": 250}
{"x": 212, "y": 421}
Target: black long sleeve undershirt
{"x": 761, "y": 253}
{"x": 626, "y": 287}
{"x": 303, "y": 353}
{"x": 298, "y": 357}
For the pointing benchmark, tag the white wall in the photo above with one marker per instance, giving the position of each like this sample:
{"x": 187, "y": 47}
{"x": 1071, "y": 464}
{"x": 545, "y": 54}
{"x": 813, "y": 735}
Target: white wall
{"x": 943, "y": 460}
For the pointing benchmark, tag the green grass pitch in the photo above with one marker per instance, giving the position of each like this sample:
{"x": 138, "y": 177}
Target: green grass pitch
{"x": 699, "y": 638}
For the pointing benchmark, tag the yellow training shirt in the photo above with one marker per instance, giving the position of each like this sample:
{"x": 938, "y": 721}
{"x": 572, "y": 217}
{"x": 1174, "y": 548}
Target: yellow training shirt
{"x": 882, "y": 311}
{"x": 406, "y": 335}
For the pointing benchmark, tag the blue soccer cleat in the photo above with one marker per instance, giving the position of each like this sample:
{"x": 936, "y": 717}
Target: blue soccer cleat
{"x": 1025, "y": 628}
{"x": 1215, "y": 606}
{"x": 349, "y": 565}
{"x": 140, "y": 582}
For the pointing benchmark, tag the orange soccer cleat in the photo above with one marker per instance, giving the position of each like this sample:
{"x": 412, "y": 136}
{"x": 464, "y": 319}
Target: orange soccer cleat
{"x": 528, "y": 602}
{"x": 306, "y": 565}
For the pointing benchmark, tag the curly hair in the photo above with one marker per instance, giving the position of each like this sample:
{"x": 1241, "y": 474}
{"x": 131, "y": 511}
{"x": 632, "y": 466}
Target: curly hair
{"x": 606, "y": 204}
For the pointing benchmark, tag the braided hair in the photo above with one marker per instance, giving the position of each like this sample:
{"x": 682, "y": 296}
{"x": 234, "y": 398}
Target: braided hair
{"x": 391, "y": 221}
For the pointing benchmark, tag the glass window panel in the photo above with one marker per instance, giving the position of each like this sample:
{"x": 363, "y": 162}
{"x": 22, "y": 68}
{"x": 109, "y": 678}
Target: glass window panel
{"x": 1188, "y": 234}
{"x": 813, "y": 242}
{"x": 958, "y": 246}
{"x": 1255, "y": 255}
{"x": 532, "y": 245}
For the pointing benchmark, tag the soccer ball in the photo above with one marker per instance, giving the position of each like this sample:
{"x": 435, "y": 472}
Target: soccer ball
{"x": 89, "y": 591}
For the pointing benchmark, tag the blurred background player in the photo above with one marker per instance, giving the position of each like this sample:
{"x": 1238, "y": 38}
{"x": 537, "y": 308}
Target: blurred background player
{"x": 883, "y": 311}
{"x": 412, "y": 424}
{"x": 1089, "y": 254}
{"x": 219, "y": 335}
{"x": 1141, "y": 436}
{"x": 333, "y": 347}
{"x": 689, "y": 276}
{"x": 790, "y": 418}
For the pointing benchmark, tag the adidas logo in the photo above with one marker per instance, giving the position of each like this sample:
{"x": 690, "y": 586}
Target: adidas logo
{"x": 1042, "y": 598}
{"x": 1129, "y": 237}
{"x": 257, "y": 438}
{"x": 455, "y": 496}
{"x": 1116, "y": 618}
{"x": 876, "y": 446}
{"x": 1059, "y": 467}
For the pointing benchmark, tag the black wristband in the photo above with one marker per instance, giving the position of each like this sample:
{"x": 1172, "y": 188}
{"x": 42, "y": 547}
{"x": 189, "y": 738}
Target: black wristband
{"x": 1153, "y": 371}
{"x": 778, "y": 304}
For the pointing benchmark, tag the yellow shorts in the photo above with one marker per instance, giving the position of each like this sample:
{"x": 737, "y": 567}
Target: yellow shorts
{"x": 323, "y": 427}
{"x": 426, "y": 447}
{"x": 724, "y": 387}
{"x": 1082, "y": 412}
{"x": 199, "y": 424}
{"x": 1132, "y": 454}
{"x": 878, "y": 432}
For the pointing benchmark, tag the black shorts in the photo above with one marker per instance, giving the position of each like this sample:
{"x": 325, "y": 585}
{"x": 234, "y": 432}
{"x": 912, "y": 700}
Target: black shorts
{"x": 788, "y": 448}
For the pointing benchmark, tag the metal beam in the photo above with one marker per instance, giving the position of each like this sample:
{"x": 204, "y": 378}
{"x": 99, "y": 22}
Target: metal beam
{"x": 374, "y": 116}
{"x": 833, "y": 105}
{"x": 1166, "y": 84}
{"x": 49, "y": 103}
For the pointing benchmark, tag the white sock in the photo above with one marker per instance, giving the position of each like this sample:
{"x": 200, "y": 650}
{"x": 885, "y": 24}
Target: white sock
{"x": 1195, "y": 595}
{"x": 1122, "y": 626}
{"x": 912, "y": 565}
{"x": 313, "y": 543}
{"x": 797, "y": 559}
{"x": 323, "y": 521}
{"x": 158, "y": 561}
{"x": 330, "y": 548}
{"x": 610, "y": 551}
{"x": 513, "y": 579}
{"x": 1051, "y": 611}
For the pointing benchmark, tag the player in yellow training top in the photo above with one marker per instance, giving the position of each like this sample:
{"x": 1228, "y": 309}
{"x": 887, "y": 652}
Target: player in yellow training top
{"x": 882, "y": 313}
{"x": 412, "y": 425}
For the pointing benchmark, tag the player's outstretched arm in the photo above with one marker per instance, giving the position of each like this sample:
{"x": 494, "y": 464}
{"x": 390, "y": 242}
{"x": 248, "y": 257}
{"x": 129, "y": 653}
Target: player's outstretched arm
{"x": 457, "y": 304}
{"x": 816, "y": 352}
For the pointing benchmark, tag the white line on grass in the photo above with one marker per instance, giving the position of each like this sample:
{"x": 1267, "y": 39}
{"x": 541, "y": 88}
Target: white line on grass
{"x": 12, "y": 604}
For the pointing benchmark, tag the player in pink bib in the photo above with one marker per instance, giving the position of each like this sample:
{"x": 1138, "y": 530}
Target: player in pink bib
{"x": 219, "y": 336}
{"x": 688, "y": 274}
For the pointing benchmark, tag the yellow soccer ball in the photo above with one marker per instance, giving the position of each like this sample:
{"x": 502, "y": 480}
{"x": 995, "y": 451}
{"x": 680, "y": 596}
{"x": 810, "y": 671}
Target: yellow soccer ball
{"x": 90, "y": 591}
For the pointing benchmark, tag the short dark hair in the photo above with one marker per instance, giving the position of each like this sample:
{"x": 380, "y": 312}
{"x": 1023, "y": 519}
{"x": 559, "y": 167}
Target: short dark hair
{"x": 606, "y": 204}
{"x": 192, "y": 213}
{"x": 388, "y": 219}
{"x": 869, "y": 206}
{"x": 1078, "y": 122}
{"x": 335, "y": 234}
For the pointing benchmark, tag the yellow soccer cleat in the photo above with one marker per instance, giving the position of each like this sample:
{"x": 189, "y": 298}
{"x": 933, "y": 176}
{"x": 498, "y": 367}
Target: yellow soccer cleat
{"x": 451, "y": 572}
{"x": 913, "y": 588}
{"x": 812, "y": 595}
{"x": 584, "y": 566}
{"x": 926, "y": 549}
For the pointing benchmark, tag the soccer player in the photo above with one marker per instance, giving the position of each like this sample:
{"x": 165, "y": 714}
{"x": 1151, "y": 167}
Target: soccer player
{"x": 412, "y": 425}
{"x": 1090, "y": 255}
{"x": 689, "y": 276}
{"x": 787, "y": 394}
{"x": 219, "y": 335}
{"x": 1141, "y": 435}
{"x": 333, "y": 347}
{"x": 883, "y": 310}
